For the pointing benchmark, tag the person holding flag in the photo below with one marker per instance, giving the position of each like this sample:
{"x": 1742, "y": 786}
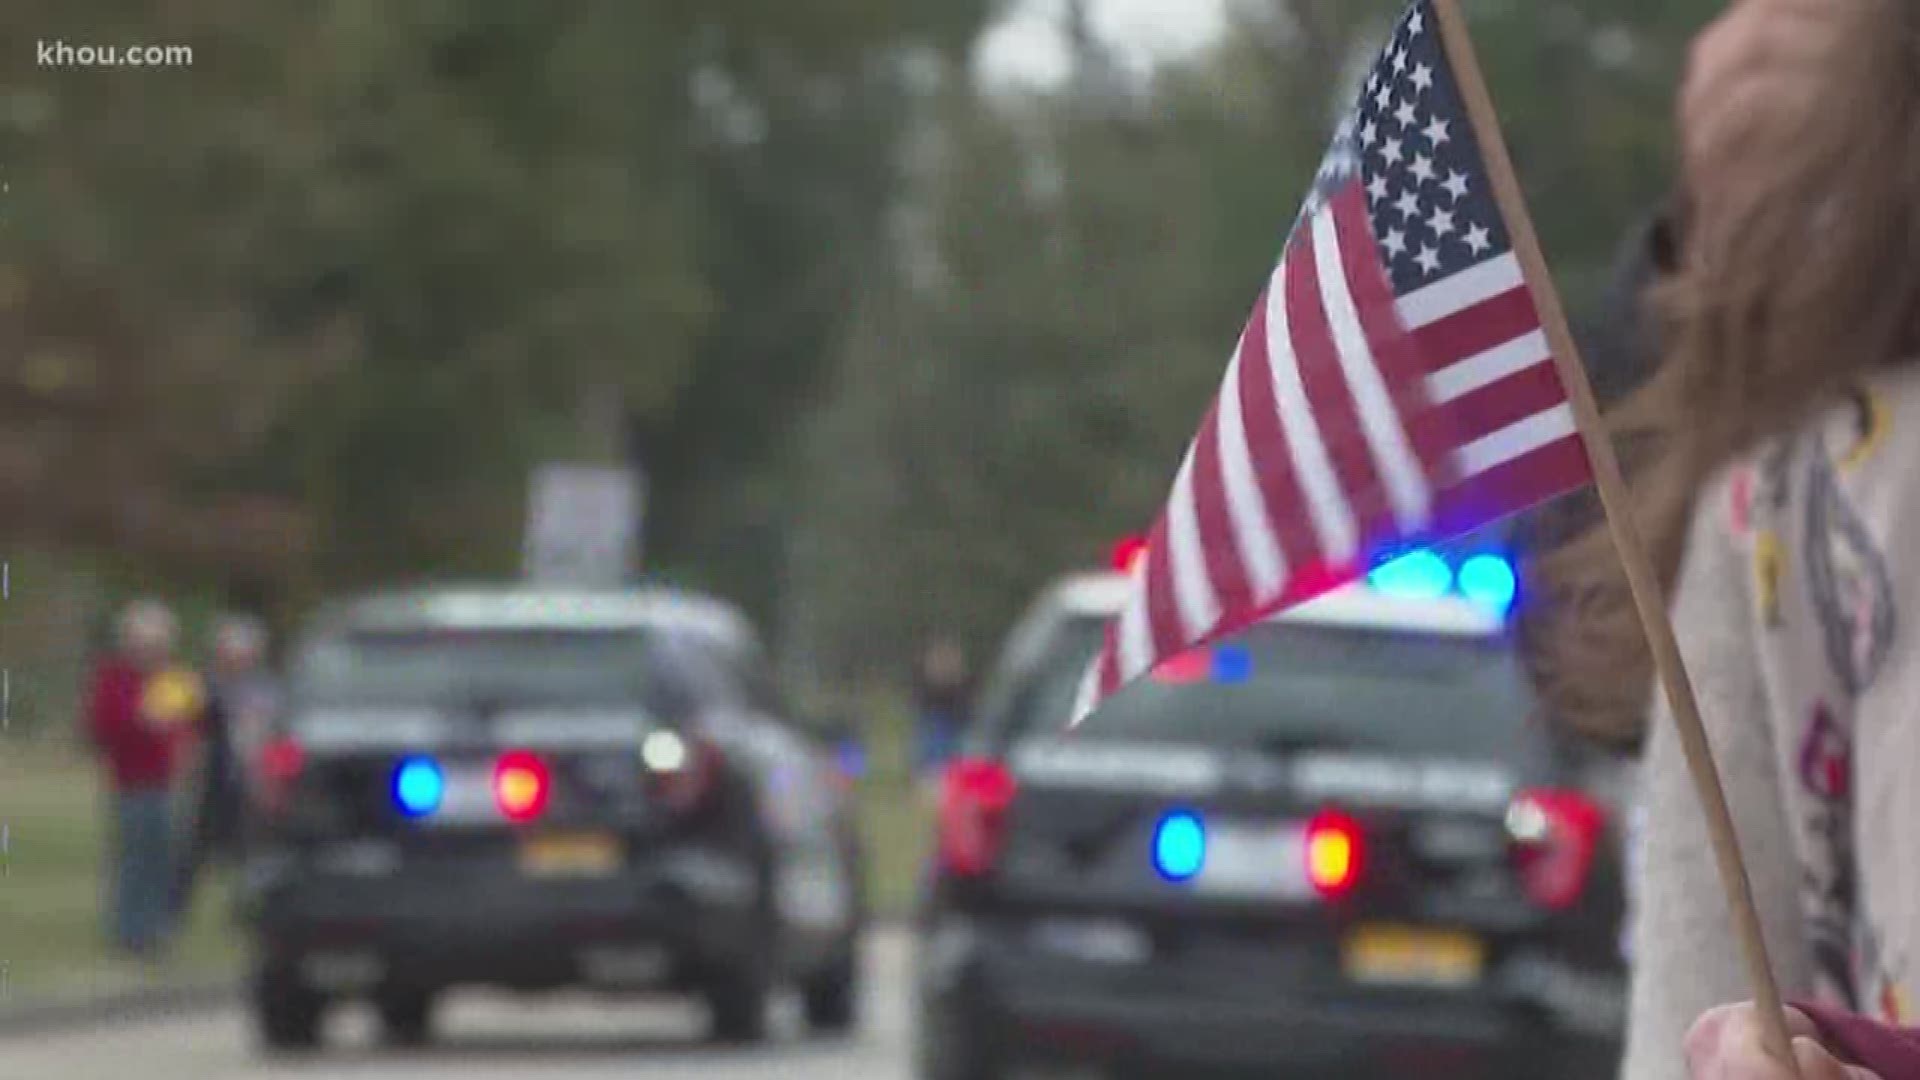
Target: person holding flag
{"x": 1407, "y": 375}
{"x": 1782, "y": 422}
{"x": 1726, "y": 1045}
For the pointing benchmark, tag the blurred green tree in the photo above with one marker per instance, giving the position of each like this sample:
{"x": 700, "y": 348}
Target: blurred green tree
{"x": 346, "y": 276}
{"x": 893, "y": 348}
{"x": 1019, "y": 386}
{"x": 806, "y": 117}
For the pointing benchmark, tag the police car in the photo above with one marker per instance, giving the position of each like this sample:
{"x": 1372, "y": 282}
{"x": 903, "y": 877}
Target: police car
{"x": 537, "y": 790}
{"x": 1337, "y": 843}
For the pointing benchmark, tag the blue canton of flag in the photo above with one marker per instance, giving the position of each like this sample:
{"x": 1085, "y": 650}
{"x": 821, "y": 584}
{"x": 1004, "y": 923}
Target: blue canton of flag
{"x": 1408, "y": 140}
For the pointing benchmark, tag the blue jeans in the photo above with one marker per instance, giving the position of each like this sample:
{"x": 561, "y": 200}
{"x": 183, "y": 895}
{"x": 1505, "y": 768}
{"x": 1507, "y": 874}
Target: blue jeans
{"x": 141, "y": 868}
{"x": 937, "y": 735}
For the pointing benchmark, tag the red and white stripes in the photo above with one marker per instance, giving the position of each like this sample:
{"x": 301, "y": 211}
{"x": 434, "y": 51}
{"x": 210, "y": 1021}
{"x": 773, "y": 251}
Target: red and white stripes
{"x": 1490, "y": 371}
{"x": 1347, "y": 417}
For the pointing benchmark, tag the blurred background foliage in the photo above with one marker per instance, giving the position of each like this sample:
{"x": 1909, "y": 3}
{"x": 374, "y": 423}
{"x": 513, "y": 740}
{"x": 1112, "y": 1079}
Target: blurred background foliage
{"x": 892, "y": 344}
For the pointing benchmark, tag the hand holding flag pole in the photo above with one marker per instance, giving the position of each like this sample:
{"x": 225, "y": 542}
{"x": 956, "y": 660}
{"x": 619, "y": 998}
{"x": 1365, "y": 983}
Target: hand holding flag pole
{"x": 1407, "y": 375}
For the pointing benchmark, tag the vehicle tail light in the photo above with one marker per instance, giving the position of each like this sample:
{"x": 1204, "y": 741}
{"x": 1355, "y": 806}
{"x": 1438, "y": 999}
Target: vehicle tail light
{"x": 974, "y": 796}
{"x": 278, "y": 768}
{"x": 1335, "y": 851}
{"x": 1556, "y": 835}
{"x": 682, "y": 771}
{"x": 522, "y": 784}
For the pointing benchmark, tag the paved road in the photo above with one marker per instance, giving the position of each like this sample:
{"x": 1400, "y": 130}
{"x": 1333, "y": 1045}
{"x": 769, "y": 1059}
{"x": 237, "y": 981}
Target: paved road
{"x": 485, "y": 1037}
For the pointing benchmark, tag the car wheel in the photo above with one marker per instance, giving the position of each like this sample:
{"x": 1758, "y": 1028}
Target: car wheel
{"x": 831, "y": 999}
{"x": 406, "y": 1017}
{"x": 737, "y": 1006}
{"x": 286, "y": 1012}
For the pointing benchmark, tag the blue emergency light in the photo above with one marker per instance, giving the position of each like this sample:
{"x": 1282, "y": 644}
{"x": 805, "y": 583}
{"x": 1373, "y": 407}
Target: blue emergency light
{"x": 1232, "y": 664}
{"x": 852, "y": 757}
{"x": 1486, "y": 579}
{"x": 1179, "y": 846}
{"x": 1417, "y": 575}
{"x": 418, "y": 786}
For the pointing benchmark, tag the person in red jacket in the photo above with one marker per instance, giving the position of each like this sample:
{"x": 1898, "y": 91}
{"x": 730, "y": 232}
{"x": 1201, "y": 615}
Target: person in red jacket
{"x": 134, "y": 719}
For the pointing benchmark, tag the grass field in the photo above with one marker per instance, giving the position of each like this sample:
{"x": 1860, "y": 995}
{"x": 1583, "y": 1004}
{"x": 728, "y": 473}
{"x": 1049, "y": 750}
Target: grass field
{"x": 899, "y": 833}
{"x": 51, "y": 940}
{"x": 898, "y": 818}
{"x": 53, "y": 809}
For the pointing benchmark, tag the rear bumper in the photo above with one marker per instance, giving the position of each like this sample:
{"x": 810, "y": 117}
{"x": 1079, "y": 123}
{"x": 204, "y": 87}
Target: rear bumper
{"x": 682, "y": 914}
{"x": 1293, "y": 1034}
{"x": 991, "y": 986}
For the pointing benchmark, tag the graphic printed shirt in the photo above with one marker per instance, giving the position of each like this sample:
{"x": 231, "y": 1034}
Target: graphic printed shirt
{"x": 1791, "y": 612}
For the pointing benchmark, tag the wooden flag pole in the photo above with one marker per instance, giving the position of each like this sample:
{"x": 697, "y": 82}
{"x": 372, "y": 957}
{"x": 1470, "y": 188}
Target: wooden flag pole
{"x": 1642, "y": 582}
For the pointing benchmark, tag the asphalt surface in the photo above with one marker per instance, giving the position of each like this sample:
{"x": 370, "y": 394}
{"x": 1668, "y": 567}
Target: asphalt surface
{"x": 527, "y": 1038}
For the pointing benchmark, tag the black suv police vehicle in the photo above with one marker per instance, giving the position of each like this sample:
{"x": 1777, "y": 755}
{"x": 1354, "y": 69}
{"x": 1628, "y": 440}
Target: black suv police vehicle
{"x": 1335, "y": 844}
{"x": 536, "y": 790}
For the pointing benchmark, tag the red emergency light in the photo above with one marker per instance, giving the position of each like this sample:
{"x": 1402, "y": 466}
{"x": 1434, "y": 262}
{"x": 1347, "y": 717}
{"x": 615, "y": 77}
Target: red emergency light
{"x": 521, "y": 786}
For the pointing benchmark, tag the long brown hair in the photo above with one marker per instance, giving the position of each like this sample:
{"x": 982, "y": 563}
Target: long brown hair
{"x": 1801, "y": 274}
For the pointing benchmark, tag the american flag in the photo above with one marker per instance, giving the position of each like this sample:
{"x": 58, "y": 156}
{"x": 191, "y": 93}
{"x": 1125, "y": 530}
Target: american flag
{"x": 1393, "y": 386}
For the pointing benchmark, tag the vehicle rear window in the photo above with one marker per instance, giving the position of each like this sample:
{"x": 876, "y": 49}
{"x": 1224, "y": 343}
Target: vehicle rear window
{"x": 1038, "y": 699}
{"x": 1283, "y": 686}
{"x": 406, "y": 667}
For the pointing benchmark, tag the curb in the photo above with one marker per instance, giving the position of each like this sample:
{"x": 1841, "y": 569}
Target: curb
{"x": 144, "y": 1004}
{"x": 188, "y": 999}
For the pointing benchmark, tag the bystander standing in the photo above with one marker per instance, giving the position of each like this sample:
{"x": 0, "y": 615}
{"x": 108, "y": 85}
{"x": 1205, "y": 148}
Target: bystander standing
{"x": 242, "y": 696}
{"x": 942, "y": 694}
{"x": 137, "y": 709}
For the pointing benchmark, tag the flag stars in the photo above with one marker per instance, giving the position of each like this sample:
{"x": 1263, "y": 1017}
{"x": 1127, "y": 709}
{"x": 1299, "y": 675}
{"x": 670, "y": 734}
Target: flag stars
{"x": 1403, "y": 147}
